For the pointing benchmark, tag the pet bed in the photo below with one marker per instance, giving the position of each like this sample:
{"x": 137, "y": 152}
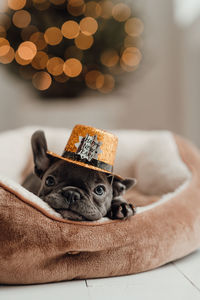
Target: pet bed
{"x": 38, "y": 246}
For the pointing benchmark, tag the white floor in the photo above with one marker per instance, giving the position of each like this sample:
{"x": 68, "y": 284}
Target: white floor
{"x": 179, "y": 280}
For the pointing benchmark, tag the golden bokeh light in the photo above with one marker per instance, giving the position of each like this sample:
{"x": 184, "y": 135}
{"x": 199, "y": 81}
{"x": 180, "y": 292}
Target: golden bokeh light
{"x": 8, "y": 58}
{"x": 20, "y": 61}
{"x": 130, "y": 41}
{"x": 109, "y": 58}
{"x": 27, "y": 50}
{"x": 94, "y": 79}
{"x": 61, "y": 78}
{"x": 38, "y": 39}
{"x": 28, "y": 31}
{"x": 5, "y": 21}
{"x": 21, "y": 18}
{"x": 73, "y": 52}
{"x": 134, "y": 27}
{"x": 55, "y": 66}
{"x": 30, "y": 28}
{"x": 72, "y": 67}
{"x": 76, "y": 7}
{"x": 41, "y": 80}
{"x": 83, "y": 41}
{"x": 26, "y": 72}
{"x": 53, "y": 36}
{"x": 41, "y": 5}
{"x": 70, "y": 29}
{"x": 106, "y": 9}
{"x": 40, "y": 60}
{"x": 108, "y": 84}
{"x": 57, "y": 2}
{"x": 2, "y": 31}
{"x": 127, "y": 68}
{"x": 88, "y": 26}
{"x": 4, "y": 47}
{"x": 92, "y": 9}
{"x": 16, "y": 4}
{"x": 131, "y": 56}
{"x": 121, "y": 12}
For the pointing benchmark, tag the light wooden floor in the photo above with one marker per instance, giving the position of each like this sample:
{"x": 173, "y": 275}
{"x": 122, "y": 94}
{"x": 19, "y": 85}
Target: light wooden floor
{"x": 179, "y": 280}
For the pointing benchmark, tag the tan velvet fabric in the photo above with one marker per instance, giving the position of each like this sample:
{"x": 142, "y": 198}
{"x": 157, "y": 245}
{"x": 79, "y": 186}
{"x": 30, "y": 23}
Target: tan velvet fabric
{"x": 36, "y": 248}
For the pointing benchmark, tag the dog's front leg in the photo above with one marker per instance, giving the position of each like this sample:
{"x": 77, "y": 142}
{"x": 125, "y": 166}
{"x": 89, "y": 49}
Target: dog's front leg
{"x": 120, "y": 209}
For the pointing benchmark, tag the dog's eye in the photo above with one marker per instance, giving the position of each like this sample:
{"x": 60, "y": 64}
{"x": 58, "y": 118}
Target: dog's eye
{"x": 50, "y": 181}
{"x": 99, "y": 190}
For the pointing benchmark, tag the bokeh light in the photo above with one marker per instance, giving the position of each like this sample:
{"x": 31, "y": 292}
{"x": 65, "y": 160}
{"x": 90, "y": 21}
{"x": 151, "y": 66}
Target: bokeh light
{"x": 27, "y": 50}
{"x": 4, "y": 46}
{"x": 94, "y": 79}
{"x": 106, "y": 9}
{"x": 88, "y": 26}
{"x": 38, "y": 39}
{"x": 76, "y": 7}
{"x": 2, "y": 31}
{"x": 57, "y": 2}
{"x": 83, "y": 41}
{"x": 108, "y": 84}
{"x": 72, "y": 67}
{"x": 70, "y": 29}
{"x": 40, "y": 60}
{"x": 86, "y": 42}
{"x": 42, "y": 80}
{"x": 121, "y": 12}
{"x": 28, "y": 31}
{"x": 16, "y": 4}
{"x": 55, "y": 66}
{"x": 134, "y": 27}
{"x": 8, "y": 57}
{"x": 53, "y": 36}
{"x": 92, "y": 9}
{"x": 131, "y": 56}
{"x": 110, "y": 58}
{"x": 21, "y": 18}
{"x": 21, "y": 61}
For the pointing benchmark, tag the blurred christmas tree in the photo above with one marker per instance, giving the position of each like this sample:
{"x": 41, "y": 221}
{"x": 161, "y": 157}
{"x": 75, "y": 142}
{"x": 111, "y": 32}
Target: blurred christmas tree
{"x": 64, "y": 46}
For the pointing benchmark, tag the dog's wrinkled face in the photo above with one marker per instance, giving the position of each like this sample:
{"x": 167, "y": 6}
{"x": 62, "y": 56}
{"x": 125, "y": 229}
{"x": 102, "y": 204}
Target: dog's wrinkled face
{"x": 75, "y": 192}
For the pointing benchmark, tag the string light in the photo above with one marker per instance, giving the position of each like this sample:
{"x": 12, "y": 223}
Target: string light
{"x": 92, "y": 43}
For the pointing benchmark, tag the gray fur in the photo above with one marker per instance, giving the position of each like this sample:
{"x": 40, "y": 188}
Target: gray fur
{"x": 73, "y": 193}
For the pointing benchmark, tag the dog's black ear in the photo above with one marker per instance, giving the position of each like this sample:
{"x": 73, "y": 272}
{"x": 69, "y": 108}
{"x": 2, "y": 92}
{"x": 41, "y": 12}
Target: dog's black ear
{"x": 39, "y": 148}
{"x": 122, "y": 185}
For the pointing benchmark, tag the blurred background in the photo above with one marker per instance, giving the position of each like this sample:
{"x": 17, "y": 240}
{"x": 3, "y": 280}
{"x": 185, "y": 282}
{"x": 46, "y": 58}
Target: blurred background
{"x": 163, "y": 93}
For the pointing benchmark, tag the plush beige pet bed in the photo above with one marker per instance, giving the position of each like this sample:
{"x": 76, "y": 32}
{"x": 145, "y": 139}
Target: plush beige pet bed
{"x": 37, "y": 245}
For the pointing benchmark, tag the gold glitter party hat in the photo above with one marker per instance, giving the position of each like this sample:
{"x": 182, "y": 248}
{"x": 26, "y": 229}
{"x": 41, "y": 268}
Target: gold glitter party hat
{"x": 91, "y": 148}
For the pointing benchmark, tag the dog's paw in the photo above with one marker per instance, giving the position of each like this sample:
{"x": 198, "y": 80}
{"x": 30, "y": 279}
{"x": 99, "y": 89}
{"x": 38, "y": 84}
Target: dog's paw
{"x": 121, "y": 210}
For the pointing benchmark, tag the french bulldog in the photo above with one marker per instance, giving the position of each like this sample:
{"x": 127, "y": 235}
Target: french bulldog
{"x": 77, "y": 193}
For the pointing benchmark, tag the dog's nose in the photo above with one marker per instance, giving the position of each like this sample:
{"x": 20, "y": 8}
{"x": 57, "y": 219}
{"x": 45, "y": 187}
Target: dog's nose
{"x": 71, "y": 195}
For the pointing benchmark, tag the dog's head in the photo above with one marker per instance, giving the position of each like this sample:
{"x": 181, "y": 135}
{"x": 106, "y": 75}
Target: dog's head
{"x": 76, "y": 192}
